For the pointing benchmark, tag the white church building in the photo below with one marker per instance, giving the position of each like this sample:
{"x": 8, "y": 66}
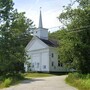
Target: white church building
{"x": 42, "y": 55}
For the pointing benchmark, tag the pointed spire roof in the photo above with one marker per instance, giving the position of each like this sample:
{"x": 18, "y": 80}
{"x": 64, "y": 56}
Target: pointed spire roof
{"x": 40, "y": 20}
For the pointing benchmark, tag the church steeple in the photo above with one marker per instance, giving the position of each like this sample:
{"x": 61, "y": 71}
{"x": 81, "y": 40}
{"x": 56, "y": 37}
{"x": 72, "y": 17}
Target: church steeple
{"x": 41, "y": 32}
{"x": 40, "y": 20}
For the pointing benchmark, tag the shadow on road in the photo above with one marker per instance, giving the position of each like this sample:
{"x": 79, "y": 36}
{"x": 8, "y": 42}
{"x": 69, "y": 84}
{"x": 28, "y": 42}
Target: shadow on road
{"x": 31, "y": 80}
{"x": 39, "y": 79}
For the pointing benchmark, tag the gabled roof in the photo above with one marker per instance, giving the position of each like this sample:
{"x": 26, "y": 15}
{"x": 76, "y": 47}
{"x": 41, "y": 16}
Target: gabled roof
{"x": 35, "y": 44}
{"x": 49, "y": 42}
{"x": 45, "y": 43}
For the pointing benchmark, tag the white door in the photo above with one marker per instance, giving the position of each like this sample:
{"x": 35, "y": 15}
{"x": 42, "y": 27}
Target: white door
{"x": 36, "y": 62}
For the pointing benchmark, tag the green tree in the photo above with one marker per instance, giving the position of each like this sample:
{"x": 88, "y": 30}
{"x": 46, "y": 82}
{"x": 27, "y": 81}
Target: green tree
{"x": 5, "y": 8}
{"x": 75, "y": 44}
{"x": 14, "y": 35}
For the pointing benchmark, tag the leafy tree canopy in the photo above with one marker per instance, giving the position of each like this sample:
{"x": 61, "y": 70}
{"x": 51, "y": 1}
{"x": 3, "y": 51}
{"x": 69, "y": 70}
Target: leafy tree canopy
{"x": 74, "y": 39}
{"x": 14, "y": 35}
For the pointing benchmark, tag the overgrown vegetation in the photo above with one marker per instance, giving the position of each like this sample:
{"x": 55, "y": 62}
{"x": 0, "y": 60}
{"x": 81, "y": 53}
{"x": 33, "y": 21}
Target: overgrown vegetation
{"x": 6, "y": 81}
{"x": 81, "y": 81}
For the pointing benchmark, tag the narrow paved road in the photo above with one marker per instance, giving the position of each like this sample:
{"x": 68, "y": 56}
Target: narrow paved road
{"x": 47, "y": 83}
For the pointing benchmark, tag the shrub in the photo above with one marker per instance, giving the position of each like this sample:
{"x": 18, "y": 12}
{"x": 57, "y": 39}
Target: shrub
{"x": 7, "y": 82}
{"x": 81, "y": 81}
{"x": 70, "y": 78}
{"x": 9, "y": 79}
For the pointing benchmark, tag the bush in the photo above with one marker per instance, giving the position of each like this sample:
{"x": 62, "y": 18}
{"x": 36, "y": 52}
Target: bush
{"x": 7, "y": 82}
{"x": 9, "y": 79}
{"x": 81, "y": 81}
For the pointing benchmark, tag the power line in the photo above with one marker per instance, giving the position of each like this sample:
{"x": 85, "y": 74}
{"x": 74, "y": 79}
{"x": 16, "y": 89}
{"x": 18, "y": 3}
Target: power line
{"x": 72, "y": 30}
{"x": 54, "y": 27}
{"x": 84, "y": 27}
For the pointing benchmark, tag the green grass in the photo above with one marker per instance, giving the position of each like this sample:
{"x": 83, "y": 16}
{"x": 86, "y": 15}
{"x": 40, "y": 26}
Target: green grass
{"x": 80, "y": 81}
{"x": 36, "y": 75}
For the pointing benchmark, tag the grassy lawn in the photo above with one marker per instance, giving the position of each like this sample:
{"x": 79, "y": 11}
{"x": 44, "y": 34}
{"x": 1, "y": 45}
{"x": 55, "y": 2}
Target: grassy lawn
{"x": 80, "y": 81}
{"x": 36, "y": 75}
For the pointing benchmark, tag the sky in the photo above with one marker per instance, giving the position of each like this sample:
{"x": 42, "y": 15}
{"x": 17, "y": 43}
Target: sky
{"x": 50, "y": 11}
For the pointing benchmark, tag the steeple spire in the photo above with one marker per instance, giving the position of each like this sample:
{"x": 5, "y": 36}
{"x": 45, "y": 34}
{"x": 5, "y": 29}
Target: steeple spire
{"x": 40, "y": 20}
{"x": 41, "y": 32}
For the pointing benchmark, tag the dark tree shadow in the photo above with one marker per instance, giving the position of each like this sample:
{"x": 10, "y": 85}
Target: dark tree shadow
{"x": 31, "y": 80}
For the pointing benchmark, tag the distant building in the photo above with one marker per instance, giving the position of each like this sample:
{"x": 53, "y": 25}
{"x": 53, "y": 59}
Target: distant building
{"x": 42, "y": 53}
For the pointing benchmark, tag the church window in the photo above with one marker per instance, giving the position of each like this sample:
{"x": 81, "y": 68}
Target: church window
{"x": 59, "y": 63}
{"x": 37, "y": 65}
{"x": 52, "y": 55}
{"x": 52, "y": 63}
{"x": 44, "y": 66}
{"x": 32, "y": 65}
{"x": 54, "y": 67}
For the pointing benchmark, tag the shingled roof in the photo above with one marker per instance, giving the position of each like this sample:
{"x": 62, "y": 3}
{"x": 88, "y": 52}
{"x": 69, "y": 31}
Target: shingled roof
{"x": 50, "y": 43}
